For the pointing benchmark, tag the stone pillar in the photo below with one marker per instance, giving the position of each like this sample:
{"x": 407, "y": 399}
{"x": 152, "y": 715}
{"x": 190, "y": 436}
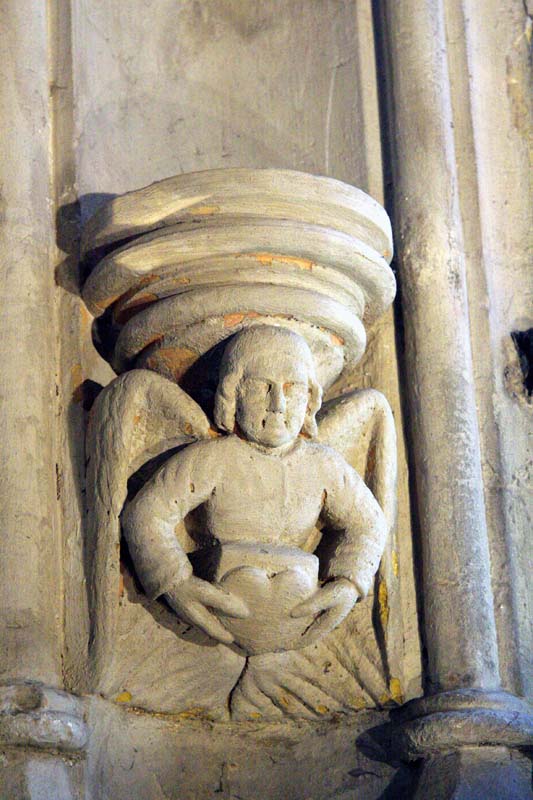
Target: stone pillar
{"x": 464, "y": 706}
{"x": 44, "y": 721}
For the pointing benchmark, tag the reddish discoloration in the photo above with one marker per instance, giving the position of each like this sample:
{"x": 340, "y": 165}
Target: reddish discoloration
{"x": 173, "y": 360}
{"x": 139, "y": 303}
{"x": 336, "y": 340}
{"x": 86, "y": 318}
{"x": 230, "y": 320}
{"x": 124, "y": 309}
{"x": 268, "y": 258}
{"x": 371, "y": 461}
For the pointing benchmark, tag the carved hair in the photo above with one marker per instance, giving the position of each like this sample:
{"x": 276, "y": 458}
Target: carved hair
{"x": 241, "y": 349}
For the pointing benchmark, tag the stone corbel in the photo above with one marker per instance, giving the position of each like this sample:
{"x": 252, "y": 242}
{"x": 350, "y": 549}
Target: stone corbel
{"x": 222, "y": 295}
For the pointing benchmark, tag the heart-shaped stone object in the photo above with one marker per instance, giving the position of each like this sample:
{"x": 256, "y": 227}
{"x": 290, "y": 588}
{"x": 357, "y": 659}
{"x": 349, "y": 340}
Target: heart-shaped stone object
{"x": 271, "y": 580}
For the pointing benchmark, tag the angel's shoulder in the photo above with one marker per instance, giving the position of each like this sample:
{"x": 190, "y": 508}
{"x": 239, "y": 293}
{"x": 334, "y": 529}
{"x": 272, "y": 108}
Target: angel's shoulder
{"x": 198, "y": 455}
{"x": 324, "y": 453}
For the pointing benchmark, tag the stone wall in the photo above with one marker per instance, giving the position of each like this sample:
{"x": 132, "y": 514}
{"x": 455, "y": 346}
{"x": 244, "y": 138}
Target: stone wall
{"x": 100, "y": 98}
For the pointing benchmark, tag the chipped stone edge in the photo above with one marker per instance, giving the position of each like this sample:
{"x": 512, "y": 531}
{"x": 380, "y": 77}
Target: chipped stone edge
{"x": 32, "y": 715}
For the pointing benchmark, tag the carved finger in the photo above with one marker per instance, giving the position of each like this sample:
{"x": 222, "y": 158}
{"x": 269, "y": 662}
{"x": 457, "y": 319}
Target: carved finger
{"x": 218, "y": 598}
{"x": 332, "y": 594}
{"x": 325, "y": 623}
{"x": 197, "y": 615}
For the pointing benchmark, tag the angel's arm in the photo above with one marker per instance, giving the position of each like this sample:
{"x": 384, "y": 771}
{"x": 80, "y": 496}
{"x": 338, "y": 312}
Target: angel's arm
{"x": 150, "y": 519}
{"x": 351, "y": 509}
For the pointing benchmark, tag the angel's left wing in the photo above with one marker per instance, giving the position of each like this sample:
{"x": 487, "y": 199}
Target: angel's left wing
{"x": 360, "y": 427}
{"x": 135, "y": 418}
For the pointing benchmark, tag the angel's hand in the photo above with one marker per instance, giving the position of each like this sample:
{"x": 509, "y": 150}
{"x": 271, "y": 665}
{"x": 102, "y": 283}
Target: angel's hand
{"x": 330, "y": 605}
{"x": 191, "y": 600}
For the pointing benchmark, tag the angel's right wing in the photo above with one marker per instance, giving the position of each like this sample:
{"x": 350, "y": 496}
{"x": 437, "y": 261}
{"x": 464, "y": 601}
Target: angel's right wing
{"x": 135, "y": 418}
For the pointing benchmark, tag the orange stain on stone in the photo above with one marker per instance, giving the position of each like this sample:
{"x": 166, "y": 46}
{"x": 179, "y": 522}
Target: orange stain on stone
{"x": 125, "y": 296}
{"x": 192, "y": 713}
{"x": 337, "y": 341}
{"x": 383, "y": 602}
{"x": 175, "y": 360}
{"x": 230, "y": 320}
{"x": 143, "y": 299}
{"x": 205, "y": 210}
{"x": 268, "y": 258}
{"x": 86, "y": 317}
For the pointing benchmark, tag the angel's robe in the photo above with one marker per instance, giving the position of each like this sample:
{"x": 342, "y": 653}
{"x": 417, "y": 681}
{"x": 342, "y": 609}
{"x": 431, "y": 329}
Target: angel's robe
{"x": 252, "y": 495}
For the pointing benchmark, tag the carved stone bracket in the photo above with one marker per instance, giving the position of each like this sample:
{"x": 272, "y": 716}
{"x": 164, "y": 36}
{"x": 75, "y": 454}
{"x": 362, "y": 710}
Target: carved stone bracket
{"x": 195, "y": 258}
{"x": 228, "y": 301}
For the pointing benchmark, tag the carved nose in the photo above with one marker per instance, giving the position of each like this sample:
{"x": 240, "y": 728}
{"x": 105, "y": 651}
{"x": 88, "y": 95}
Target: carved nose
{"x": 276, "y": 397}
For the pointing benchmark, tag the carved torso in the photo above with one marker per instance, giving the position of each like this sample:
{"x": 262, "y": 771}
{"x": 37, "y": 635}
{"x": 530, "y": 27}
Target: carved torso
{"x": 261, "y": 497}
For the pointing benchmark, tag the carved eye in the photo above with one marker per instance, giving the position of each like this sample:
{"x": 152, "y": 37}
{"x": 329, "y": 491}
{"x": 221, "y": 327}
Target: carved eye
{"x": 257, "y": 386}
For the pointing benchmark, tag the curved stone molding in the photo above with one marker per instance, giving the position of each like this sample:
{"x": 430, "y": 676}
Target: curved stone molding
{"x": 32, "y": 715}
{"x": 197, "y": 257}
{"x": 234, "y": 193}
{"x": 452, "y": 720}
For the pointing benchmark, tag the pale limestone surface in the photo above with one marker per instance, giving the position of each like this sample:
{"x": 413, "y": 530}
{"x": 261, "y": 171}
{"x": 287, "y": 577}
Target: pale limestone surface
{"x": 132, "y": 72}
{"x": 261, "y": 502}
{"x": 262, "y": 494}
{"x": 338, "y": 75}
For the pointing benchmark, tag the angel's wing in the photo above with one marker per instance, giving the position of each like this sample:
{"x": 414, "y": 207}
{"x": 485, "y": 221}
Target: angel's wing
{"x": 135, "y": 418}
{"x": 360, "y": 426}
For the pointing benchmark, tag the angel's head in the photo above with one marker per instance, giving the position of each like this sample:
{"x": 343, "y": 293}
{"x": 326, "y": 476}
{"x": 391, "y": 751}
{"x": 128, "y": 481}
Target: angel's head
{"x": 268, "y": 386}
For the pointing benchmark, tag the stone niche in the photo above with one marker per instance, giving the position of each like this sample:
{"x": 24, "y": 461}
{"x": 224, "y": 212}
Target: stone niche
{"x": 265, "y": 537}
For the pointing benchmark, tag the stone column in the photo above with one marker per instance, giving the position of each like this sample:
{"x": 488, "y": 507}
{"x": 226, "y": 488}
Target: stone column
{"x": 36, "y": 722}
{"x": 464, "y": 706}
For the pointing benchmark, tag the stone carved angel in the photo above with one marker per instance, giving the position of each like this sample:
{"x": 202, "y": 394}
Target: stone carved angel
{"x": 288, "y": 533}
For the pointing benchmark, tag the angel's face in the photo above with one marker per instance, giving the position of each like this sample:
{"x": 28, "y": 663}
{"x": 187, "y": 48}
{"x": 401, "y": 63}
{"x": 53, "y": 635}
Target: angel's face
{"x": 272, "y": 399}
